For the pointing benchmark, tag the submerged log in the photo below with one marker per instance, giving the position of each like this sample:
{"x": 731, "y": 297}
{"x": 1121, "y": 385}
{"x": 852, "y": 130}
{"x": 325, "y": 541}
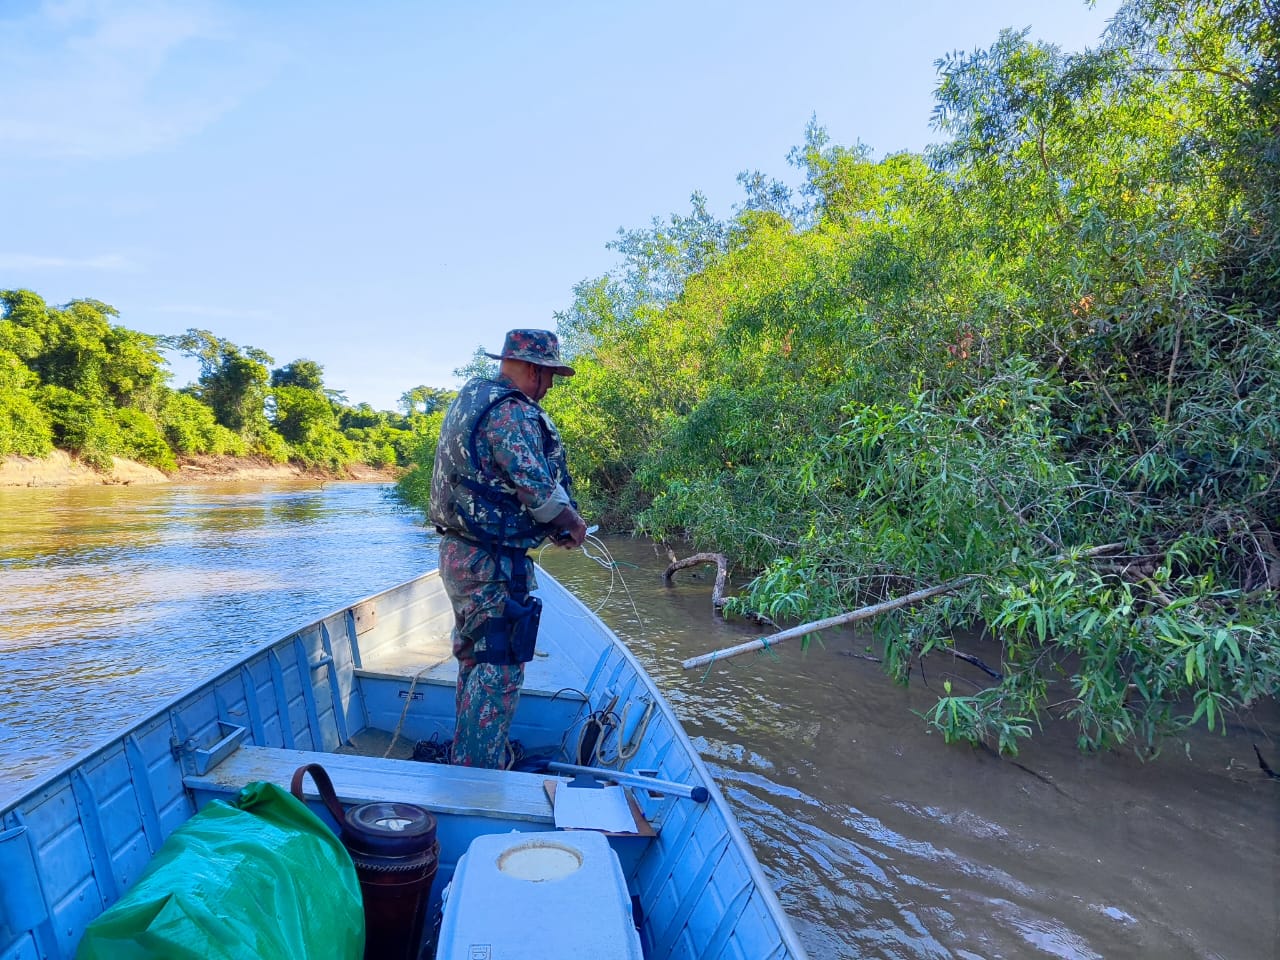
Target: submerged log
{"x": 966, "y": 657}
{"x": 971, "y": 659}
{"x": 1266, "y": 767}
{"x": 697, "y": 560}
{"x": 718, "y": 599}
{"x": 862, "y": 613}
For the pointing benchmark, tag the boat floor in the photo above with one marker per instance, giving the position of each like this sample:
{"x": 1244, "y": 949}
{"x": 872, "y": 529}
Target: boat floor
{"x": 371, "y": 742}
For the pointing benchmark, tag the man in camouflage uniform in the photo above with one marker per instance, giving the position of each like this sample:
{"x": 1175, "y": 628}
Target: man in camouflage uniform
{"x": 500, "y": 486}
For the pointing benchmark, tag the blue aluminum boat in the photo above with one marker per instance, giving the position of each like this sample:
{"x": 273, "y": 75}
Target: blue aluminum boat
{"x": 354, "y": 692}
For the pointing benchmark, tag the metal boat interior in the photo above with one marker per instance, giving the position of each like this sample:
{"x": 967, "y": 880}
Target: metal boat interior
{"x": 354, "y": 692}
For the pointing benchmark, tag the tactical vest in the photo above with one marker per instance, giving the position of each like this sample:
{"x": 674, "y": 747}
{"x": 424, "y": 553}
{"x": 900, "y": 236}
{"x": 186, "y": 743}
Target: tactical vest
{"x": 473, "y": 502}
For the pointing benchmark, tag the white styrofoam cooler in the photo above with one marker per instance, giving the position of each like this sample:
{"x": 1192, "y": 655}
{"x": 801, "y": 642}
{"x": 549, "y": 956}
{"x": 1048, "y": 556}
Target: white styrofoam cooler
{"x": 520, "y": 896}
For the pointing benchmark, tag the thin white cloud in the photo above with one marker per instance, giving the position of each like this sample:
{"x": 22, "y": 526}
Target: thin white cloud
{"x": 27, "y": 261}
{"x": 121, "y": 77}
{"x": 216, "y": 313}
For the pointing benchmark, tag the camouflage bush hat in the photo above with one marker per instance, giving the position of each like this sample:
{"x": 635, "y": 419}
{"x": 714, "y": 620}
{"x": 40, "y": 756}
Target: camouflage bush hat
{"x": 534, "y": 346}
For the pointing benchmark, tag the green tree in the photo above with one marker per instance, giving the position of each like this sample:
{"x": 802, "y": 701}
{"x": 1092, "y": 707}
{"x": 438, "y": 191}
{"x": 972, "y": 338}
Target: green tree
{"x": 480, "y": 365}
{"x": 419, "y": 452}
{"x": 301, "y": 414}
{"x": 306, "y": 374}
{"x": 425, "y": 400}
{"x": 25, "y": 428}
{"x": 190, "y": 427}
{"x": 233, "y": 383}
{"x": 81, "y": 426}
{"x": 78, "y": 348}
{"x": 74, "y": 378}
{"x": 142, "y": 439}
{"x": 1055, "y": 332}
{"x": 362, "y": 417}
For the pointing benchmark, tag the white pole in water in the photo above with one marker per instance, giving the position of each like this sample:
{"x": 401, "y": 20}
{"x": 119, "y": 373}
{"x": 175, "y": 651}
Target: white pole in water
{"x": 861, "y": 613}
{"x": 652, "y": 784}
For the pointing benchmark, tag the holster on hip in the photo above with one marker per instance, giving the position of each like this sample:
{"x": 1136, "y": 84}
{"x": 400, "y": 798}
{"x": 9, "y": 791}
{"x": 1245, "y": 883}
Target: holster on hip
{"x": 512, "y": 638}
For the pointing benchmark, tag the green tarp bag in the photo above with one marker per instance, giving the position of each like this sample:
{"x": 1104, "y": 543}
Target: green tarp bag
{"x": 258, "y": 877}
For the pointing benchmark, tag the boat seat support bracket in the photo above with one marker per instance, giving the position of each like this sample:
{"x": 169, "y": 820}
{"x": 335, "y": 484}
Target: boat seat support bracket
{"x": 197, "y": 760}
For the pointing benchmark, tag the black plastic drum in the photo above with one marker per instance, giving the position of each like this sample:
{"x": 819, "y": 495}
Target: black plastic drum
{"x": 396, "y": 853}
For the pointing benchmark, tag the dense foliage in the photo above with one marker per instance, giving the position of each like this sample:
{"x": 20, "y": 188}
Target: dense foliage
{"x": 1046, "y": 355}
{"x": 71, "y": 378}
{"x": 1040, "y": 363}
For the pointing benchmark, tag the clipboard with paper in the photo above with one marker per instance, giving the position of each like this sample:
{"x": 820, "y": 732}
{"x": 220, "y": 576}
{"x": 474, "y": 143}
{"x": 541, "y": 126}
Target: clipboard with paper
{"x": 609, "y": 809}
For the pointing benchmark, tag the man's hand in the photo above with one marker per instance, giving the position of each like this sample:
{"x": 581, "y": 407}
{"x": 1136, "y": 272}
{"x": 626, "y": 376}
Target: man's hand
{"x": 572, "y": 529}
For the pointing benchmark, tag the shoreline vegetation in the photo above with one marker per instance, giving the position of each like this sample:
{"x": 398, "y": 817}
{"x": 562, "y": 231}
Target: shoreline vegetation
{"x": 61, "y": 469}
{"x": 1054, "y": 331}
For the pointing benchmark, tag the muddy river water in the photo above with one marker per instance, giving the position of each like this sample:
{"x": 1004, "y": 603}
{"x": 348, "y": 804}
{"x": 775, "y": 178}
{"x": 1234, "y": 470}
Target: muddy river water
{"x": 881, "y": 840}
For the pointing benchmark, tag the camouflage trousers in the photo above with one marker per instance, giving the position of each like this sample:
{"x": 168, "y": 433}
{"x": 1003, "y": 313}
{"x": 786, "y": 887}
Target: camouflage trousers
{"x": 487, "y": 693}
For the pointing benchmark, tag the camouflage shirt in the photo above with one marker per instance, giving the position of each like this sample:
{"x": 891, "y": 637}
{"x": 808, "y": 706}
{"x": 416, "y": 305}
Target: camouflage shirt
{"x": 500, "y": 470}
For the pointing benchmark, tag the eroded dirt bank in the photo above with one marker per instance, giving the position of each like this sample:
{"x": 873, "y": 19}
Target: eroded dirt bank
{"x": 59, "y": 469}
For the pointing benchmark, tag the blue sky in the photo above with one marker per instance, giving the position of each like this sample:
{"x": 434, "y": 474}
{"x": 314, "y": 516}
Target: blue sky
{"x": 384, "y": 186}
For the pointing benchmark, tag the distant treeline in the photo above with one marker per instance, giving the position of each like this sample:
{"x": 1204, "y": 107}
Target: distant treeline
{"x": 1045, "y": 354}
{"x": 73, "y": 379}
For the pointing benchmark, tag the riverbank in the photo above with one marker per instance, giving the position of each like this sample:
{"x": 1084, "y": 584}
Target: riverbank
{"x": 60, "y": 469}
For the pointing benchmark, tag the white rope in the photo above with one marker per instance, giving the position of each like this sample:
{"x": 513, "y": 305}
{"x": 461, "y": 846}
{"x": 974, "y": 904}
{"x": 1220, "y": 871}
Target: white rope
{"x": 408, "y": 700}
{"x": 606, "y": 722}
{"x": 603, "y": 559}
{"x": 606, "y": 560}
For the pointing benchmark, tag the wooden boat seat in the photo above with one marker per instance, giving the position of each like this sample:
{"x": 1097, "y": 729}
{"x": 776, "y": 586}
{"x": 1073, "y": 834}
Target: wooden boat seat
{"x": 444, "y": 790}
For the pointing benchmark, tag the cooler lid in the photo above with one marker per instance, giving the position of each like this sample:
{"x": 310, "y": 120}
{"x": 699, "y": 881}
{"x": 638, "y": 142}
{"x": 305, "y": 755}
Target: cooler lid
{"x": 536, "y": 895}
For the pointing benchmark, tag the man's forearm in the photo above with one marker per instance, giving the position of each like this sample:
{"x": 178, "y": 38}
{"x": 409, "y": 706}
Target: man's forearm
{"x": 552, "y": 507}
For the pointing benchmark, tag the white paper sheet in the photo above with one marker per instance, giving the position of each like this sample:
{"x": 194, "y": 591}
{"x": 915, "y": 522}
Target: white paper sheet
{"x": 591, "y": 809}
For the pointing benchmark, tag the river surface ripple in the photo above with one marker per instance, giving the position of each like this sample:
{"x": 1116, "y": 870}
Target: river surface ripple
{"x": 880, "y": 840}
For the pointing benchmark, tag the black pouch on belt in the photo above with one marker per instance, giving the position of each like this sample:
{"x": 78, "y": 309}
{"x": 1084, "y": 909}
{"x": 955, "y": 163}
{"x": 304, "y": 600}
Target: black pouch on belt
{"x": 511, "y": 638}
{"x": 523, "y": 616}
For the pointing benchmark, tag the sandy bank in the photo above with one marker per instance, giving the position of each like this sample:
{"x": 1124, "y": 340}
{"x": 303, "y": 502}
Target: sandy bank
{"x": 59, "y": 469}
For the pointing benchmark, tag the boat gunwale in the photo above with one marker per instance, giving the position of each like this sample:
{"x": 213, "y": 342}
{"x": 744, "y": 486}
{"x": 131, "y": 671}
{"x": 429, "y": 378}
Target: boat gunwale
{"x": 174, "y": 702}
{"x": 786, "y": 932}
{"x": 737, "y": 837}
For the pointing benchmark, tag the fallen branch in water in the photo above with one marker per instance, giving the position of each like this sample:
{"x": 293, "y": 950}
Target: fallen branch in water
{"x": 860, "y": 656}
{"x": 717, "y": 592}
{"x": 697, "y": 560}
{"x": 1266, "y": 768}
{"x": 970, "y": 658}
{"x": 966, "y": 657}
{"x": 862, "y": 613}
